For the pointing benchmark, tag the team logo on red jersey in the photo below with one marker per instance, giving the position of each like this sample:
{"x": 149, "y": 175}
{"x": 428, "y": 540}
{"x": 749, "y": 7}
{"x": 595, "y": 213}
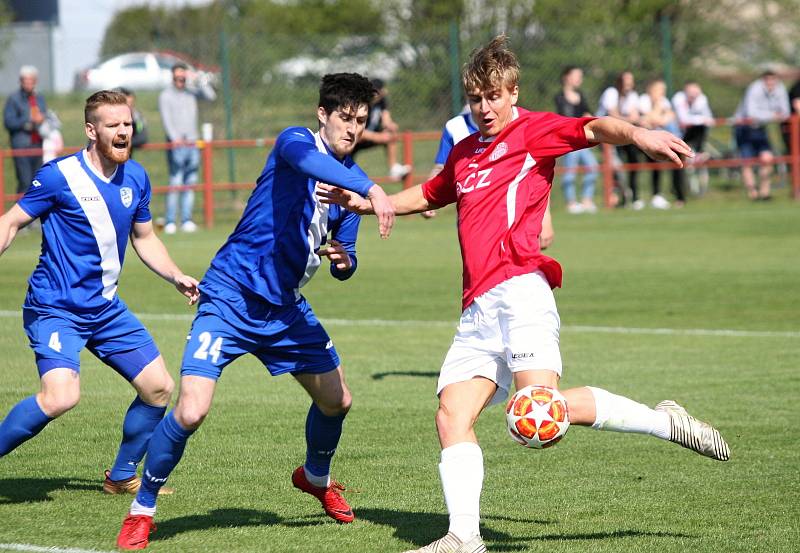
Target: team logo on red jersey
{"x": 499, "y": 151}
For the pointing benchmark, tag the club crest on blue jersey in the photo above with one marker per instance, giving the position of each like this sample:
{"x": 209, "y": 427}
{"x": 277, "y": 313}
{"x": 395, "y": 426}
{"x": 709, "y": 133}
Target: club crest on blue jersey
{"x": 126, "y": 195}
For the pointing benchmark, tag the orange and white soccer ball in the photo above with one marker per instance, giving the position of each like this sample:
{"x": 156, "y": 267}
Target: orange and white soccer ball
{"x": 537, "y": 416}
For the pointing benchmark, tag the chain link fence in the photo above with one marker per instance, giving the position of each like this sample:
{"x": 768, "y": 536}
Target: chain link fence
{"x": 266, "y": 82}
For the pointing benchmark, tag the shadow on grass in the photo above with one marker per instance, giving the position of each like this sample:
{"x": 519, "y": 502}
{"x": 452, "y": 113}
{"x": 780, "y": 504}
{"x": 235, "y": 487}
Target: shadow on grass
{"x": 28, "y": 490}
{"x": 422, "y": 528}
{"x": 425, "y": 374}
{"x": 217, "y": 518}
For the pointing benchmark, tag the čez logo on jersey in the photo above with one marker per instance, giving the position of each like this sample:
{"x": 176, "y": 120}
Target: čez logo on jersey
{"x": 126, "y": 195}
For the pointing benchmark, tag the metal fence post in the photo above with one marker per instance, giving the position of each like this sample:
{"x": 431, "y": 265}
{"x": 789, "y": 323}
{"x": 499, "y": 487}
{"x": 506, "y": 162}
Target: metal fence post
{"x": 794, "y": 147}
{"x": 208, "y": 182}
{"x": 2, "y": 181}
{"x": 608, "y": 174}
{"x": 408, "y": 158}
{"x": 455, "y": 69}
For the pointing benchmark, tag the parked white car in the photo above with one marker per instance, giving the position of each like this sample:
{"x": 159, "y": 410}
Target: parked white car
{"x": 142, "y": 71}
{"x": 353, "y": 54}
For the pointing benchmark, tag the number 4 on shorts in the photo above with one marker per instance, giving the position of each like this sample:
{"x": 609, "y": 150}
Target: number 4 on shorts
{"x": 54, "y": 343}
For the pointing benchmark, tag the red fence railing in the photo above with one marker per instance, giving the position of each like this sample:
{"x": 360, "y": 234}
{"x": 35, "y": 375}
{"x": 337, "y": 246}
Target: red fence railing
{"x": 207, "y": 186}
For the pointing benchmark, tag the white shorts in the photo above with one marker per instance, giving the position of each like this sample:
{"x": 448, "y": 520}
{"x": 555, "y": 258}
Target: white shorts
{"x": 513, "y": 327}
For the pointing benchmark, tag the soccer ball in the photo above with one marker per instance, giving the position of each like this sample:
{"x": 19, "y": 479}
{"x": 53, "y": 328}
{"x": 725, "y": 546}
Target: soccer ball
{"x": 537, "y": 416}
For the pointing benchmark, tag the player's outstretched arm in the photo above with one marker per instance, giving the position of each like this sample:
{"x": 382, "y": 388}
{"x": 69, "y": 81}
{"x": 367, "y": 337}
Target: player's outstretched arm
{"x": 153, "y": 253}
{"x": 659, "y": 145}
{"x": 405, "y": 202}
{"x": 11, "y": 221}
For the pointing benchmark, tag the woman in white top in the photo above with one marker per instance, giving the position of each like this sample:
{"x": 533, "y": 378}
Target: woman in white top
{"x": 622, "y": 102}
{"x": 656, "y": 113}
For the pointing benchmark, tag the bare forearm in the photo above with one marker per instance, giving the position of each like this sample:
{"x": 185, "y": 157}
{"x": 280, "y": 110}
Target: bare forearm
{"x": 410, "y": 200}
{"x": 610, "y": 130}
{"x": 7, "y": 234}
{"x": 10, "y": 223}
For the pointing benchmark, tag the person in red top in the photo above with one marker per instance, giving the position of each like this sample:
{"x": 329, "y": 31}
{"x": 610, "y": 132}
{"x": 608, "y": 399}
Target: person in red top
{"x": 500, "y": 178}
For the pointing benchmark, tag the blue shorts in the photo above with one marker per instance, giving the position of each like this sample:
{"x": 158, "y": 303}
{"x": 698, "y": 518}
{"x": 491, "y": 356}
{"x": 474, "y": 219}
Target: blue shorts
{"x": 115, "y": 336}
{"x": 751, "y": 141}
{"x": 286, "y": 338}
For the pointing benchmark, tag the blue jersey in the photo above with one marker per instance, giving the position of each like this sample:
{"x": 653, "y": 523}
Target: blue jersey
{"x": 272, "y": 251}
{"x": 455, "y": 130}
{"x": 86, "y": 220}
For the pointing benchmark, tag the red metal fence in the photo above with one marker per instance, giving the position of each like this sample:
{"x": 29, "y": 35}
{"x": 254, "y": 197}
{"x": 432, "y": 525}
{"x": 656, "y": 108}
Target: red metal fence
{"x": 607, "y": 168}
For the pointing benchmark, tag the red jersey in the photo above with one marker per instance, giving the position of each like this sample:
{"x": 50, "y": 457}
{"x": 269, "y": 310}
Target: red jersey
{"x": 502, "y": 186}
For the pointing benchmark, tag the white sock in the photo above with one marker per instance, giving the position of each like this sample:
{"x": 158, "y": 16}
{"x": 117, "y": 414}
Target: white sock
{"x": 620, "y": 414}
{"x": 461, "y": 471}
{"x": 139, "y": 509}
{"x": 318, "y": 481}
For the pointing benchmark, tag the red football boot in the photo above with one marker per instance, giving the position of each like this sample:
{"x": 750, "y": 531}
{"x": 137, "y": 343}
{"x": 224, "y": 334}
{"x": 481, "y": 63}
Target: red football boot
{"x": 135, "y": 532}
{"x": 331, "y": 497}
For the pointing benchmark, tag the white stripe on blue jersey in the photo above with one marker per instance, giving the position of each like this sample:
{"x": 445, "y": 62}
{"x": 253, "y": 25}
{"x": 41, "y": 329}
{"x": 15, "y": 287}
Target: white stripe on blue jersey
{"x": 272, "y": 251}
{"x": 91, "y": 201}
{"x": 86, "y": 220}
{"x": 317, "y": 229}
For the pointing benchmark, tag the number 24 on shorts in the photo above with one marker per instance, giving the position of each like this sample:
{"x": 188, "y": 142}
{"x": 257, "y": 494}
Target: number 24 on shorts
{"x": 208, "y": 347}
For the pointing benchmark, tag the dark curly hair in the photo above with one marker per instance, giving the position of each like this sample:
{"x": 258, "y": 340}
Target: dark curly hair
{"x": 344, "y": 90}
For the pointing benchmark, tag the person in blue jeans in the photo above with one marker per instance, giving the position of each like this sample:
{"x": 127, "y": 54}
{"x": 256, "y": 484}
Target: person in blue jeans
{"x": 571, "y": 102}
{"x": 178, "y": 107}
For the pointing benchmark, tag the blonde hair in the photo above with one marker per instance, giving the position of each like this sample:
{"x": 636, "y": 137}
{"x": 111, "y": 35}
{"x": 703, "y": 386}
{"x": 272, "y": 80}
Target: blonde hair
{"x": 491, "y": 67}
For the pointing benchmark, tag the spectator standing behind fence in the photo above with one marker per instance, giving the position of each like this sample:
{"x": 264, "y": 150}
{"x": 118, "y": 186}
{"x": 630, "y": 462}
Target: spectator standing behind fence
{"x": 622, "y": 101}
{"x": 764, "y": 101}
{"x": 139, "y": 137}
{"x": 382, "y": 130}
{"x": 794, "y": 109}
{"x": 24, "y": 112}
{"x": 178, "y": 107}
{"x": 656, "y": 113}
{"x": 571, "y": 102}
{"x": 694, "y": 118}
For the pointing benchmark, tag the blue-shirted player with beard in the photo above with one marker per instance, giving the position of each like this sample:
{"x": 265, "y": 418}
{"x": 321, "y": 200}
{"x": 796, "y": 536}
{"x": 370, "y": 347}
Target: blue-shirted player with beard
{"x": 250, "y": 300}
{"x": 89, "y": 203}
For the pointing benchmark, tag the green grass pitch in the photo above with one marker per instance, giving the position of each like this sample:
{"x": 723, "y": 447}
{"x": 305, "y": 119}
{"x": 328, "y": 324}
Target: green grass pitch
{"x": 637, "y": 285}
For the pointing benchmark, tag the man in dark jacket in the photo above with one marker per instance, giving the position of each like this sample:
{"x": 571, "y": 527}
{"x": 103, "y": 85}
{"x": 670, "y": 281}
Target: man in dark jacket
{"x": 24, "y": 112}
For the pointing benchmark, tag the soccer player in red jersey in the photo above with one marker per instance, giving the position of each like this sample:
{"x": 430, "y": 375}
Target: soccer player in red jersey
{"x": 500, "y": 178}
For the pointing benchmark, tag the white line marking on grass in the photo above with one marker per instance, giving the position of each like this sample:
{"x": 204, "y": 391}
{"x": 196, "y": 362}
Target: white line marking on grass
{"x": 685, "y": 331}
{"x": 724, "y": 332}
{"x": 38, "y": 548}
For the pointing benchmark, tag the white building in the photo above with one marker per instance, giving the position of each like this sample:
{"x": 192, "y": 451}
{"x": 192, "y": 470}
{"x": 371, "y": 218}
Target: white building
{"x": 61, "y": 37}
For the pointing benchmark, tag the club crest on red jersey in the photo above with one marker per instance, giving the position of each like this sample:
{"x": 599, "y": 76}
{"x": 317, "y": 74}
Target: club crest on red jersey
{"x": 499, "y": 151}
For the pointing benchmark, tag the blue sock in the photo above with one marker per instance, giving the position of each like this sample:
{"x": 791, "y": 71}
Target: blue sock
{"x": 322, "y": 437}
{"x": 140, "y": 421}
{"x": 165, "y": 450}
{"x": 23, "y": 422}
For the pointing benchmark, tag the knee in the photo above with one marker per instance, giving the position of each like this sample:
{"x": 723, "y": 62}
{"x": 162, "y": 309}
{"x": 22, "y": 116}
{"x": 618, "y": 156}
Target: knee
{"x": 337, "y": 406}
{"x": 160, "y": 391}
{"x": 190, "y": 416}
{"x": 55, "y": 403}
{"x": 449, "y": 422}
